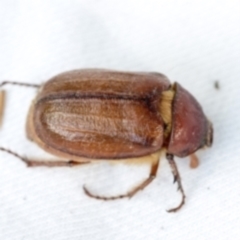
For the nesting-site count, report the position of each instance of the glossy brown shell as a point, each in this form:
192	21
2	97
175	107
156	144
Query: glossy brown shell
99	114
190	128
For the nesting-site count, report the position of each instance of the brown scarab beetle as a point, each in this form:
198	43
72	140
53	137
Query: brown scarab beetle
91	114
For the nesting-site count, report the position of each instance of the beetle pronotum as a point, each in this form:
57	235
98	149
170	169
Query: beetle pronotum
91	114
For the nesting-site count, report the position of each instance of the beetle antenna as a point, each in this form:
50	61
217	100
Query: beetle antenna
19	84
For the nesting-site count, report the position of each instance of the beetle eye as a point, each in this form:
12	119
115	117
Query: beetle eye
209	138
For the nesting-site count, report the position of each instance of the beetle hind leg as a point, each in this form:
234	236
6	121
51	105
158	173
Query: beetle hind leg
45	163
176	178
131	193
19	84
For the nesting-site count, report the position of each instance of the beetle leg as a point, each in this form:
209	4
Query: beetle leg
194	162
53	163
141	186
177	178
34	163
20	84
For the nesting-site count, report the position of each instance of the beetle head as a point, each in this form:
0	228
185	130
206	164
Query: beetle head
190	128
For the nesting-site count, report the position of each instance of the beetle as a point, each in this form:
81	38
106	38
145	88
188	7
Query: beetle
94	114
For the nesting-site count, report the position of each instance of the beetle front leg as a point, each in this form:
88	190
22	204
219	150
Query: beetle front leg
35	163
194	162
141	186
176	178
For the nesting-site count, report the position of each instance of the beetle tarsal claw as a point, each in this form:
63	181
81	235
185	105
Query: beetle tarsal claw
179	206
89	194
174	179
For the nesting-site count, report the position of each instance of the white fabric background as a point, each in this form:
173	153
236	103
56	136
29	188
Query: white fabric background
192	42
